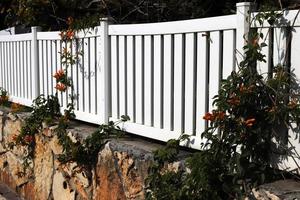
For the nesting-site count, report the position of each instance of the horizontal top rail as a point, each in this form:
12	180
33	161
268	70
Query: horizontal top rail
289	18
56	34
48	35
185	26
16	38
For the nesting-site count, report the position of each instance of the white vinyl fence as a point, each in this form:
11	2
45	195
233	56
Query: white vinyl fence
162	75
8	31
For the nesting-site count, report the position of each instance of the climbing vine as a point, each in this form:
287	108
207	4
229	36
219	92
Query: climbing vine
46	110
249	123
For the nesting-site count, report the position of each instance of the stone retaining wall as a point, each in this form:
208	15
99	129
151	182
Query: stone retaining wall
120	172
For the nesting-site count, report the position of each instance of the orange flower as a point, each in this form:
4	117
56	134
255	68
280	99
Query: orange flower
59	74
70	34
209	117
250	122
61	87
216	115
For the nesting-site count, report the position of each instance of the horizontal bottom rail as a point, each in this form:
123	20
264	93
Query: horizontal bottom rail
160	134
20	100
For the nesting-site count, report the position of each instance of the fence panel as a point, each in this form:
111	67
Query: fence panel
16	67
173	70
84	72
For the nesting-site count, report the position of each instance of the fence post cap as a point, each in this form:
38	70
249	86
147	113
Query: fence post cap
36	28
241	4
106	19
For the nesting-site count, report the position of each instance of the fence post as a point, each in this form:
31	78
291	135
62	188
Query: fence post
104	93
35	62
243	14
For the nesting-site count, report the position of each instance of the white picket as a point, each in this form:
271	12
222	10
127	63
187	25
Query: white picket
22	68
130	78
190	53
228	53
139	79
158	86
263	67
45	68
114	78
53	65
167	83
279	46
148	106
202	81
92	78
14	61
122	75
18	69
295	50
214	66
86	74
29	71
178	82
100	90
25	70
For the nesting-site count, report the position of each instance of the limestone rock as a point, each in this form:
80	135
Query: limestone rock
175	166
43	169
49	131
133	183
72	136
19	151
61	189
1	127
79	178
2	149
108	185
82	177
279	190
10	129
14	165
55	146
69	168
12	117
